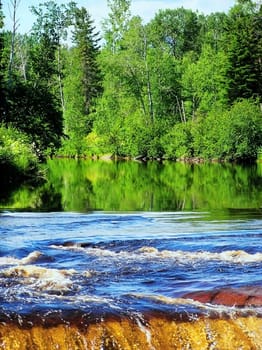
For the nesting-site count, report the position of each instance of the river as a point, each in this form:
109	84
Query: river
105	239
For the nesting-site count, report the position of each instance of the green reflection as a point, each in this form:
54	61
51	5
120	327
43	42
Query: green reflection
129	186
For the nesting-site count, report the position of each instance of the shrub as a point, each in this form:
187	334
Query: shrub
243	132
178	142
16	153
235	134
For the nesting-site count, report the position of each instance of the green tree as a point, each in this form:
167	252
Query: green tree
140	88
242	136
242	43
177	33
114	105
126	111
35	111
50	29
234	134
33	99
1	61
204	83
82	83
116	24
212	30
86	41
31	106
14	5
177	30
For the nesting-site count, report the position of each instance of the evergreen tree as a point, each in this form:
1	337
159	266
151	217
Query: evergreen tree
82	83
243	46
86	41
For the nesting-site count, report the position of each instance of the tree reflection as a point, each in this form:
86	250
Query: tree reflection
86	185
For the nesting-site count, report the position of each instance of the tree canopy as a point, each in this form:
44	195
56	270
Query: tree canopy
182	85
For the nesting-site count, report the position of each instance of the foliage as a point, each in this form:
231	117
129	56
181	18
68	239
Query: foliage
204	82
243	39
183	85
82	83
17	156
1	61
177	143
116	24
34	111
176	30
234	134
243	130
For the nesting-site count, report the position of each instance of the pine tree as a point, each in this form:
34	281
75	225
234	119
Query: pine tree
243	46
82	82
86	42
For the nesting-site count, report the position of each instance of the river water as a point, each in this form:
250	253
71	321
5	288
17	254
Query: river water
129	261
123	261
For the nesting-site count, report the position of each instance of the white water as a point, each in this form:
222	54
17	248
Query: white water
124	261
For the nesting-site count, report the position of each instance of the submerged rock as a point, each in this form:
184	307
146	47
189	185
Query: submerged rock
245	296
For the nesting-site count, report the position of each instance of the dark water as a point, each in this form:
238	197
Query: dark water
129	237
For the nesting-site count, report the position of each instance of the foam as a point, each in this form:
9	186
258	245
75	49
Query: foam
233	256
147	252
30	258
42	278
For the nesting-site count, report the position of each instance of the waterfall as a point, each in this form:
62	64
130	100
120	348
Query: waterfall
154	332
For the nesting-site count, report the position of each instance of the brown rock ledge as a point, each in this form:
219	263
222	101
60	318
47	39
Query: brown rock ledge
153	332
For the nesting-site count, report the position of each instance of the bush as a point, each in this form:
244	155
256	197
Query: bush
178	142
243	132
235	134
207	136
16	153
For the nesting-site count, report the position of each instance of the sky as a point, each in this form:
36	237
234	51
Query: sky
98	10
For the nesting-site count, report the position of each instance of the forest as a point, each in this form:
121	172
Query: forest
183	86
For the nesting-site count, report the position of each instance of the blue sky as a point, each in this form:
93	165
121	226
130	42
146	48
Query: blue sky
98	9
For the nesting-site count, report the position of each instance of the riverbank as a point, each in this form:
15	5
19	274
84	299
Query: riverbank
142	158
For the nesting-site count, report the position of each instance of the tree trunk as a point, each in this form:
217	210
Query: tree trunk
14	4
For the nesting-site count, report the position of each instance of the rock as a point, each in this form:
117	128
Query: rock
244	296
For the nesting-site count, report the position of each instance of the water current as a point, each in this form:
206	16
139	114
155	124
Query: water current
131	256
125	262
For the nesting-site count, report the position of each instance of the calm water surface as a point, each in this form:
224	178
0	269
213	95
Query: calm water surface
127	237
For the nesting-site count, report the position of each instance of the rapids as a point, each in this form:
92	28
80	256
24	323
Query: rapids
115	280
